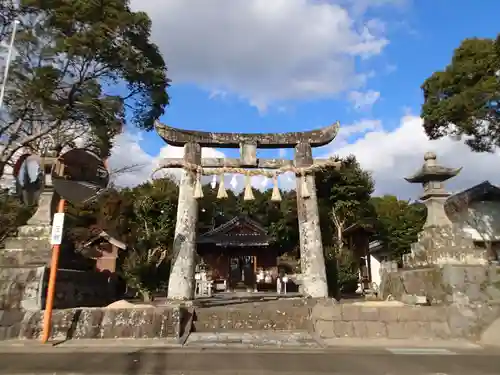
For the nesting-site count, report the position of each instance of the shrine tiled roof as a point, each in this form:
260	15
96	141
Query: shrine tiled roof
239	231
485	191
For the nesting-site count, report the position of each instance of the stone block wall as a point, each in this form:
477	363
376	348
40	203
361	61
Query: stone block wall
96	323
280	315
81	289
25	288
401	322
446	284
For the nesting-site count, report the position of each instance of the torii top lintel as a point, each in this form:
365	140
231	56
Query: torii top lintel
179	137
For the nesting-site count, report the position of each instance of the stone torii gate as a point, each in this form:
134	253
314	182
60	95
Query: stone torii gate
181	283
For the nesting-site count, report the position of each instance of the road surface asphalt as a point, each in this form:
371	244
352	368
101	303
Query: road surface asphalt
383	361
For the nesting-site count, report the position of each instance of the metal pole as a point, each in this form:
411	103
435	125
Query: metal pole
7	62
47	316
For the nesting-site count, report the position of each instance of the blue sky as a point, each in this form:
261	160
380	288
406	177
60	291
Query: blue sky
408	41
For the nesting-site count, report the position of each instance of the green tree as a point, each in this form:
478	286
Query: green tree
146	265
83	70
397	223
144	218
343	195
12	214
464	98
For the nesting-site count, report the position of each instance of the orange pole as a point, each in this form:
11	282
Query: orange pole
47	317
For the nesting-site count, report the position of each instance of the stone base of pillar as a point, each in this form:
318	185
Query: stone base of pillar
440	245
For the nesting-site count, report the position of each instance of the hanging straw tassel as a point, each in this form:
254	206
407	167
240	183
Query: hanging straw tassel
304	191
276	196
221	193
198	191
248	196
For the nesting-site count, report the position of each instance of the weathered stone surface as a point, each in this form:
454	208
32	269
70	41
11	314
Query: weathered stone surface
181	137
402	322
271	315
97	323
26	287
343	328
370	329
359	313
326	310
263	163
312	261
20	288
181	282
441	245
432	176
444	284
325	329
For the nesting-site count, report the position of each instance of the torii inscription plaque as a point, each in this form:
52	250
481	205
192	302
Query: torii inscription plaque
181	283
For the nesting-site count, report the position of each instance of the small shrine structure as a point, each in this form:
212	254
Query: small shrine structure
240	255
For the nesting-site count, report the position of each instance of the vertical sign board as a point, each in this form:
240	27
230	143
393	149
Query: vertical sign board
57	229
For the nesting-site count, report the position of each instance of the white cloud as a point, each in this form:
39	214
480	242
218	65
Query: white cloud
127	152
363	100
393	155
264	51
390	155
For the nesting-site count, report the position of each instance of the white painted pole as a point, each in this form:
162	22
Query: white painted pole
7	62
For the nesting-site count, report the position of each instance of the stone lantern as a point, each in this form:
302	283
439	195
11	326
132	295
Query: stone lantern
440	241
432	176
444	266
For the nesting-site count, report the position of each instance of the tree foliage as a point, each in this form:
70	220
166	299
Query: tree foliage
144	218
464	98
82	70
12	214
278	218
397	223
343	195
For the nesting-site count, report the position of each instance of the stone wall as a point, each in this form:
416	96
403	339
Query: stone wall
291	315
96	323
401	322
82	289
25	288
20	288
444	284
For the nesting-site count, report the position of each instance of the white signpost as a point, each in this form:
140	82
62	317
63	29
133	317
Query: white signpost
57	229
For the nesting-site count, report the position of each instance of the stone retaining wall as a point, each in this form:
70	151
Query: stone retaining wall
401	322
444	284
25	288
96	323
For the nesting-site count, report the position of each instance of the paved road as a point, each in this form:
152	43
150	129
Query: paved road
254	362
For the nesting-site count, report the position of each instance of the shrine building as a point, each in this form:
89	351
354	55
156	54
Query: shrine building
240	255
